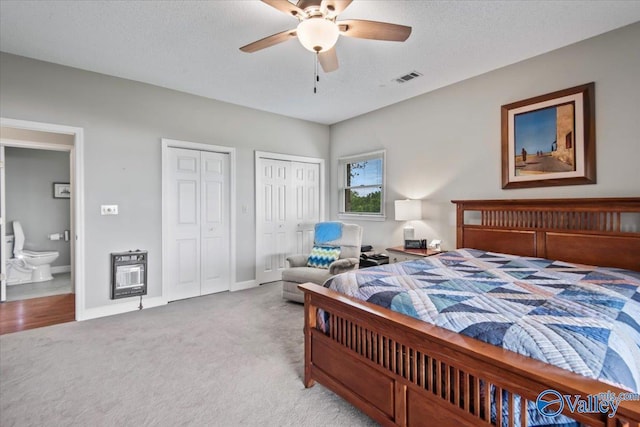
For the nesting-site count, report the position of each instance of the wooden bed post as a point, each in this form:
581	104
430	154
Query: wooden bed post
309	324
400	396
459	225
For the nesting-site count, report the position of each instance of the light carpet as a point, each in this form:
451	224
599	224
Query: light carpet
220	360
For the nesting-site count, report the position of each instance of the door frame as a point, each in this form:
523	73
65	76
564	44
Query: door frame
231	151
291	158
76	166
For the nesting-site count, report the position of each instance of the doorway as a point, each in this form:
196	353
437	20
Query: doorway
198	219
37	219
289	202
21	134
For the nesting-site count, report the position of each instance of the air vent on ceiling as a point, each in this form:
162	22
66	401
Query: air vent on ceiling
412	75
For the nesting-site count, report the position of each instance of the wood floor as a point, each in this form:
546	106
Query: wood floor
36	312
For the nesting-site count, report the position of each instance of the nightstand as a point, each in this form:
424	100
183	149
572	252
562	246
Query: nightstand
399	253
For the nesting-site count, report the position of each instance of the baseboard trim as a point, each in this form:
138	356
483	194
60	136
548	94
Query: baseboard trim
122	307
133	303
239	286
61	269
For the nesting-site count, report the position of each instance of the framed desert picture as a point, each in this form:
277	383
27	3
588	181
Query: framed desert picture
550	139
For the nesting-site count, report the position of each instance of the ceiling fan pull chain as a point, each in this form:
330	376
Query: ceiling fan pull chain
316	77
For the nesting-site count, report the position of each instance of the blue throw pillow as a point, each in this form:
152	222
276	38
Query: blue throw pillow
323	256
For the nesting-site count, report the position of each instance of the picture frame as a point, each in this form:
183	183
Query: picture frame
549	140
61	190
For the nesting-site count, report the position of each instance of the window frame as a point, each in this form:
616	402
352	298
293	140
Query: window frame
342	188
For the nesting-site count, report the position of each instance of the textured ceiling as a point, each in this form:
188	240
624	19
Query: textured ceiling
193	46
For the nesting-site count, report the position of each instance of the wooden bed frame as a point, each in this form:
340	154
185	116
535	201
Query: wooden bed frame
401	371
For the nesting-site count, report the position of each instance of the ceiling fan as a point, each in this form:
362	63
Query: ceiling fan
318	30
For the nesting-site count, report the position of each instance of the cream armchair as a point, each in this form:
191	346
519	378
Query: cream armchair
349	243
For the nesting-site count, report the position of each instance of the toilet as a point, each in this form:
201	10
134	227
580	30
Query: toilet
26	266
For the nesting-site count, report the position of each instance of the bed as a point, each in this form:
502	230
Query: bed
402	371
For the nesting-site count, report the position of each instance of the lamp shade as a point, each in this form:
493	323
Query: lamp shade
407	210
317	34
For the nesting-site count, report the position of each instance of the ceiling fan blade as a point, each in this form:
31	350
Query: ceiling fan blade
269	41
304	4
335	7
328	60
374	30
286	7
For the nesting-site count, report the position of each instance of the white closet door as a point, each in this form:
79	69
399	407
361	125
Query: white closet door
306	198
184	218
272	207
287	208
199	236
215	222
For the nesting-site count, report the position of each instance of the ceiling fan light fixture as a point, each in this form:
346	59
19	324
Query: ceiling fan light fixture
317	34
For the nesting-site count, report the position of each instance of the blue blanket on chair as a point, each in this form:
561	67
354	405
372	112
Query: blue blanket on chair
327	232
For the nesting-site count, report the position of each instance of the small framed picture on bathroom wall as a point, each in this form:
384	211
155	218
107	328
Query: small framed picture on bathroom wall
61	190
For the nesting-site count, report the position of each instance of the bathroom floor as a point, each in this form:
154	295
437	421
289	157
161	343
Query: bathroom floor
61	284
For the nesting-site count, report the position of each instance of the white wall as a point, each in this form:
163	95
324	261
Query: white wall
123	124
445	145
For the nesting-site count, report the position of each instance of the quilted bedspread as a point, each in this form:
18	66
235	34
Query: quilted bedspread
581	318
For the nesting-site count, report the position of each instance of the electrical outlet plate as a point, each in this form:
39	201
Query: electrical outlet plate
109	209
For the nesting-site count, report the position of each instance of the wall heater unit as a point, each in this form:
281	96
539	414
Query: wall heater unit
128	274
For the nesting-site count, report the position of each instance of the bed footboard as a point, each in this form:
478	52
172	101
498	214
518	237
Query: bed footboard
404	372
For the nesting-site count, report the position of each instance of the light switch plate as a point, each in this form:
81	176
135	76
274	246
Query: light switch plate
109	209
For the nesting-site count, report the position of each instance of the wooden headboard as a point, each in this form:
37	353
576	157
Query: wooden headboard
603	231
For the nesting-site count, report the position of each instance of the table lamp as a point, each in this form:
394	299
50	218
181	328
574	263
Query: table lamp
408	210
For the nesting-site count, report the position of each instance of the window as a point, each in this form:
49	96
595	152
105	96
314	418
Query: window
362	185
